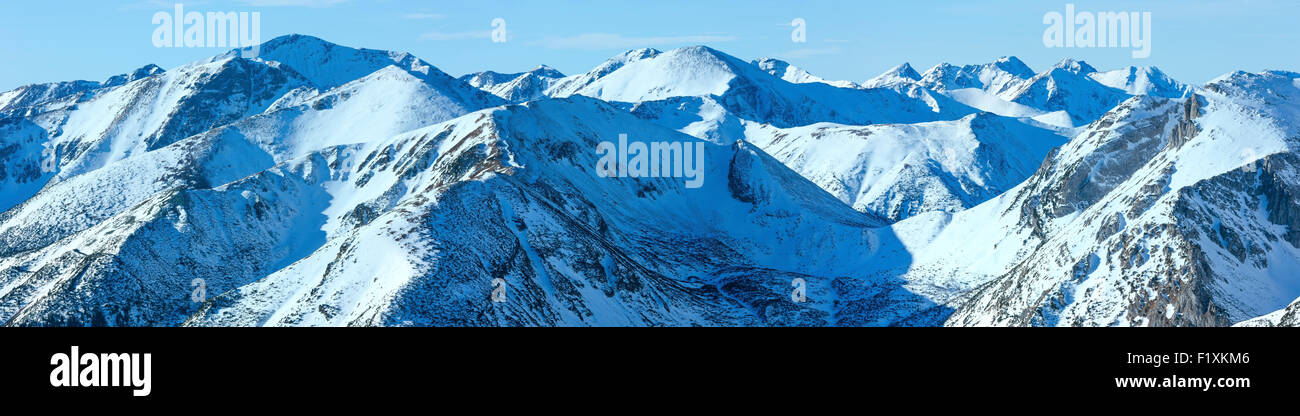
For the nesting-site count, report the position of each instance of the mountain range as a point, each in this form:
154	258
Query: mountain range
319	184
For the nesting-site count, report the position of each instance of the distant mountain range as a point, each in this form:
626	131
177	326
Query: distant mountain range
319	184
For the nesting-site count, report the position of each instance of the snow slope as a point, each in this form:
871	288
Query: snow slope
1149	217
899	170
511	193
930	153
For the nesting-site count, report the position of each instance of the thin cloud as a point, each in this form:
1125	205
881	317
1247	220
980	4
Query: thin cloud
807	52
473	34
292	3
424	16
159	4
170	4
603	41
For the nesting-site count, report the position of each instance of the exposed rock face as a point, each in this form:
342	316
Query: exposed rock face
1165	253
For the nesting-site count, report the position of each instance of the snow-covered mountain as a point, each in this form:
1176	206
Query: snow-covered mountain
275	112
900	75
1163	212
934	154
510	193
750	92
997	78
899	170
246	199
1069	94
34	99
18	101
318	184
384	234
782	69
571	84
66	136
1142	81
515	88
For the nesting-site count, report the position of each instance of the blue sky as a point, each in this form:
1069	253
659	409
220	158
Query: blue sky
1194	41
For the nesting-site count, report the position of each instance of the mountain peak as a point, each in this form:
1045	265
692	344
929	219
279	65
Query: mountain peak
699	49
141	72
490	80
617	61
782	69
1073	66
699	54
1014	66
546	71
147	70
294	39
941	68
571	85
1258	84
327	64
905	71
769	62
901	74
641	53
1135	80
647	74
772	66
